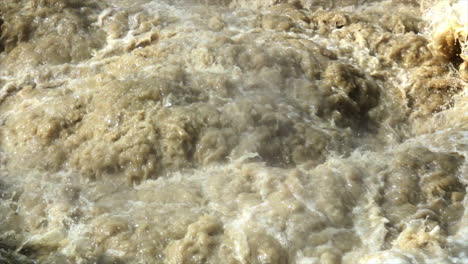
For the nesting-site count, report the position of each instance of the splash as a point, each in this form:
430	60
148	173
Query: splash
449	32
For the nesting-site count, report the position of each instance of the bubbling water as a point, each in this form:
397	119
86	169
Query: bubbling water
233	131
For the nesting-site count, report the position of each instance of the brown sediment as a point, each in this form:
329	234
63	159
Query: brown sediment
231	132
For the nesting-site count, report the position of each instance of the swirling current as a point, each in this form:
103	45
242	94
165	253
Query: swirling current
233	131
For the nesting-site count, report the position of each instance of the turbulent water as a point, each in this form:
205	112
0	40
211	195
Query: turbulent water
233	131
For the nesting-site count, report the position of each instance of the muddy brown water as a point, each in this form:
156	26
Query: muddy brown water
233	131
